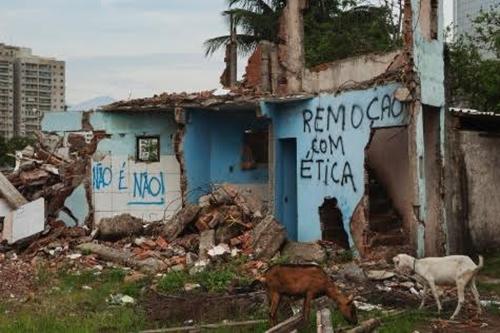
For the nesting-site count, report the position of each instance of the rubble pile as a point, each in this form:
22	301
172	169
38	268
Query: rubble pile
224	223
52	169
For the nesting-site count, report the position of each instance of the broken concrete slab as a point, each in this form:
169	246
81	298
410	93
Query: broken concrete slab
125	258
379	275
298	252
352	272
180	221
120	226
25	221
267	238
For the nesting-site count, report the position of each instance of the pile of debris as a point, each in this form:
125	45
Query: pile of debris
224	223
52	169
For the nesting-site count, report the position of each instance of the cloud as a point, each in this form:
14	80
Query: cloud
111	46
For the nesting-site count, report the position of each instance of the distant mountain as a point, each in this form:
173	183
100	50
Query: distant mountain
92	103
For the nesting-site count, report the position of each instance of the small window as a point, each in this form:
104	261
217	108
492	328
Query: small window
148	148
255	149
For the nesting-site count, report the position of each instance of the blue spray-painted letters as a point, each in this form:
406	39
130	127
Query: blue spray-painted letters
101	176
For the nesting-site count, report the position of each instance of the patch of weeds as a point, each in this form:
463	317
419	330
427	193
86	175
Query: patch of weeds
134	289
174	281
113	275
280	260
214	279
71	280
489	287
113	320
403	323
43	275
84	310
86	252
493	309
491	265
345	256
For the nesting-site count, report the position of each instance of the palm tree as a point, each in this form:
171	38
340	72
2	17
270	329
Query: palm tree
257	19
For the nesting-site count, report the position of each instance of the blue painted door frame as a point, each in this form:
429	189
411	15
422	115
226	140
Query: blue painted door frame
287	186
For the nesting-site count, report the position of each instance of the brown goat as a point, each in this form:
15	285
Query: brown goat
308	281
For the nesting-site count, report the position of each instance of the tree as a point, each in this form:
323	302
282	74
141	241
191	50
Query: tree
343	31
474	77
334	29
257	19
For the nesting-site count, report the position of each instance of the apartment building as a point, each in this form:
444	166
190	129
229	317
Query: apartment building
30	85
6	97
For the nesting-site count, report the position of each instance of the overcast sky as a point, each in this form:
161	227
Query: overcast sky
121	47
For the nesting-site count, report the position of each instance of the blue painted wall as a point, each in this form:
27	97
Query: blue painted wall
213	145
428	56
124	127
62	121
332	133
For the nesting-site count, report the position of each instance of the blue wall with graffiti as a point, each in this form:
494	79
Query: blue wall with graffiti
331	134
120	182
213	145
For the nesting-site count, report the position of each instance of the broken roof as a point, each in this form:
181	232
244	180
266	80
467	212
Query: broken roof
239	99
211	99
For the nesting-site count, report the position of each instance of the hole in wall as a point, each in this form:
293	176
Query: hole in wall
332	226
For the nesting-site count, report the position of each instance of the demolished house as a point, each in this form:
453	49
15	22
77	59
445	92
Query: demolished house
351	152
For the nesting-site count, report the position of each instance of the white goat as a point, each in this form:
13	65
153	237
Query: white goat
459	270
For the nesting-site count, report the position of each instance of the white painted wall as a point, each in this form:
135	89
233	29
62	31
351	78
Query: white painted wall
150	191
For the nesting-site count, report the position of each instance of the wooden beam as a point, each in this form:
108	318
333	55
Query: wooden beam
10	193
197	328
288	325
324	321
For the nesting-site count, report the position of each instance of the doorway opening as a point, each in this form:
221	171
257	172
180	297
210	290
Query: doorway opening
287	186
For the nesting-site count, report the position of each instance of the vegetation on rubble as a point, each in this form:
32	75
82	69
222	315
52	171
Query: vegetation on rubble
334	29
214	279
474	79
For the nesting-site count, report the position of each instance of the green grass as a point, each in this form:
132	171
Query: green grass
70	308
403	323
214	279
174	281
491	265
491	269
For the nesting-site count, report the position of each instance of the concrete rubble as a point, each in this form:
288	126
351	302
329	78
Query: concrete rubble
227	222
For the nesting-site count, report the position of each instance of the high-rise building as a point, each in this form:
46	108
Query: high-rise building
29	86
465	11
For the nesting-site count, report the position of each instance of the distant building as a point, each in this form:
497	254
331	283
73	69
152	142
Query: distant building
466	10
30	85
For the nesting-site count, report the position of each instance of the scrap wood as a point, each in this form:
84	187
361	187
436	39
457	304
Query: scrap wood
324	321
122	257
198	327
288	325
366	326
10	193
